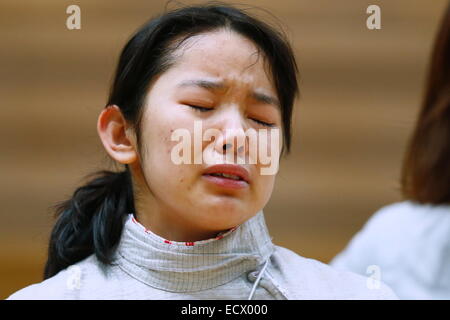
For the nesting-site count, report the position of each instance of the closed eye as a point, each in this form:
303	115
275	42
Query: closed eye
198	108
206	109
266	124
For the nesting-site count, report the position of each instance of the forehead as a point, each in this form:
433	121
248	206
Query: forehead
226	56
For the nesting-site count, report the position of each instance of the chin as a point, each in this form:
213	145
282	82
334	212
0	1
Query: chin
225	215
225	204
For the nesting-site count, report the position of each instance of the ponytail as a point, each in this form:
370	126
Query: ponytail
91	221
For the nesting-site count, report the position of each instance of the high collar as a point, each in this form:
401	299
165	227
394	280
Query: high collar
187	266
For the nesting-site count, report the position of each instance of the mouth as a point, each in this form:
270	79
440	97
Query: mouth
227	176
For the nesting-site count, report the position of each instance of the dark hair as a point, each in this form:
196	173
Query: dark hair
91	221
426	166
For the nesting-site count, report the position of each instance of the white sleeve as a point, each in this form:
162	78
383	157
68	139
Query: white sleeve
362	253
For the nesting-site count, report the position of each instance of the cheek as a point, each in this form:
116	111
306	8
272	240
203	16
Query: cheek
263	191
164	178
274	141
267	182
159	125
157	161
159	151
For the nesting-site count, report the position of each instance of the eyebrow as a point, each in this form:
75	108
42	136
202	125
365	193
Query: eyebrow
215	85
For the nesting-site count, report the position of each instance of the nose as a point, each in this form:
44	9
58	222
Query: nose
233	140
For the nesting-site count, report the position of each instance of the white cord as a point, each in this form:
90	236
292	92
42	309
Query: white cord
258	279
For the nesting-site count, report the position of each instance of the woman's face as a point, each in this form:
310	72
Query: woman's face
218	81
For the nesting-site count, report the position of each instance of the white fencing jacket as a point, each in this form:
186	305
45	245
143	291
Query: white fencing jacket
242	263
407	244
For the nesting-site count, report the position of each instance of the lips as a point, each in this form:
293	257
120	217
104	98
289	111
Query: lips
227	176
228	171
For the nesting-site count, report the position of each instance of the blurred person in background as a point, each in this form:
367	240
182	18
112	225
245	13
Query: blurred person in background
407	244
158	230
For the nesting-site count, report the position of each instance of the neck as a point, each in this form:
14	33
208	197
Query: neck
172	227
184	267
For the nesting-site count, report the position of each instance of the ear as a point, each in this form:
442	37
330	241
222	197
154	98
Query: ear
112	129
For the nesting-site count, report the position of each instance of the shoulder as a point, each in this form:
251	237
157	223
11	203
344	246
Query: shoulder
53	288
393	223
403	222
381	238
312	279
64	285
391	215
406	213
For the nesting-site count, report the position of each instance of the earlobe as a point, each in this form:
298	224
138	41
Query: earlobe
112	130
